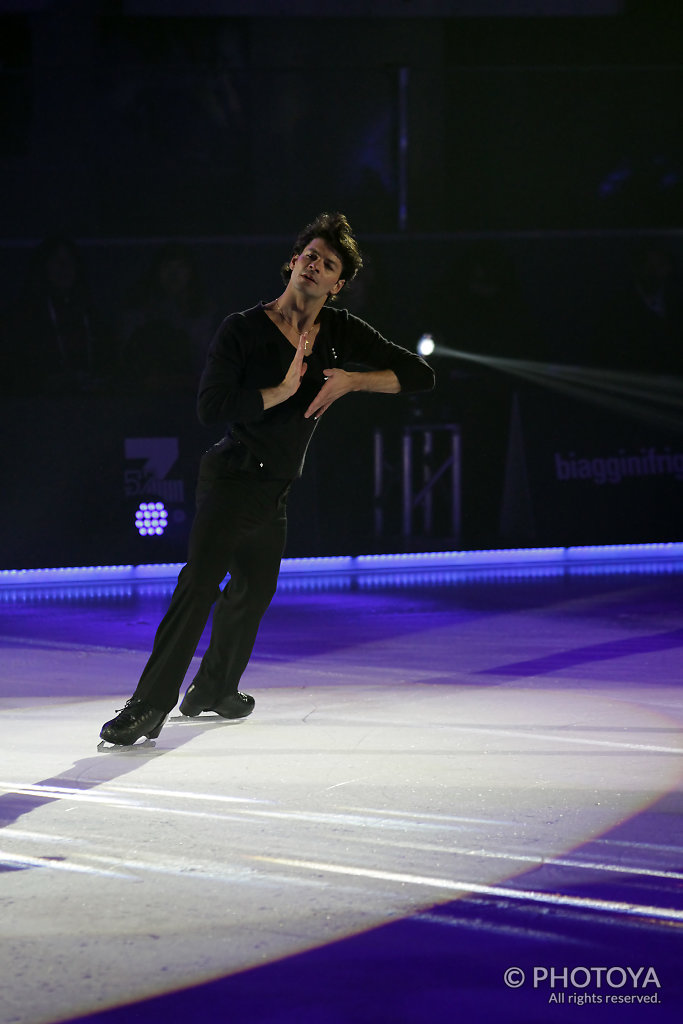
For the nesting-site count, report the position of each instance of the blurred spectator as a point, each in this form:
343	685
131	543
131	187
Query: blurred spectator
55	342
641	326
168	324
489	315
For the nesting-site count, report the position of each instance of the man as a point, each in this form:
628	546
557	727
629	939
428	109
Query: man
271	372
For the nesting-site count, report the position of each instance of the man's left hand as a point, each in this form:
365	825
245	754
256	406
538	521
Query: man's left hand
337	383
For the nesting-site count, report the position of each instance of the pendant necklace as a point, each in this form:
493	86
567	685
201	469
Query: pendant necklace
302	334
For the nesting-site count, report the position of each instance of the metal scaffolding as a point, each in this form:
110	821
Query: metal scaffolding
429	470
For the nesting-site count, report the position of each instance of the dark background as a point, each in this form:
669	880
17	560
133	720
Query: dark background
505	174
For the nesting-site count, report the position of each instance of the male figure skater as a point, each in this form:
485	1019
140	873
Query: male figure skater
271	372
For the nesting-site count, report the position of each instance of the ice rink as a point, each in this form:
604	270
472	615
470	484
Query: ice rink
458	799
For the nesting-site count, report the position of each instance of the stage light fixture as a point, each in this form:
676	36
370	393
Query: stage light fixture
151	518
425	345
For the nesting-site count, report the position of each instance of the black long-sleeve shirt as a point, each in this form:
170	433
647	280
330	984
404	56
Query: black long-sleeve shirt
249	352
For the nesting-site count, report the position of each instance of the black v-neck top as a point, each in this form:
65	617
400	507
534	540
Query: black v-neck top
249	352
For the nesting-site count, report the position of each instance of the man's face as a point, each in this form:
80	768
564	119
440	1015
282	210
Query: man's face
316	272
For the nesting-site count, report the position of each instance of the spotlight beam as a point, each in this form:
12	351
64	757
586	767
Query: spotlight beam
644	396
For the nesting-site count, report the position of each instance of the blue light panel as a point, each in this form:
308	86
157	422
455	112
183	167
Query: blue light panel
610	557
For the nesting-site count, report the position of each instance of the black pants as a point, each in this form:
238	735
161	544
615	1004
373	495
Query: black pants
240	528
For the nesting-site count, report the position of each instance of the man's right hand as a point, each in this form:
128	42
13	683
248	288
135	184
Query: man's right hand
290	385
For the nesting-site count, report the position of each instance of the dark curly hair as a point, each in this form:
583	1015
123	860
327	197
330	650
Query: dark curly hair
334	229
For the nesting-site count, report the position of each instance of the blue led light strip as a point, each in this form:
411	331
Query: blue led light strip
616	554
